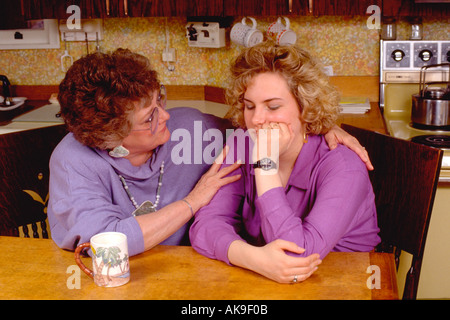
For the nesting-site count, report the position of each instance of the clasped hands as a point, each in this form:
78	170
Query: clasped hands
271	140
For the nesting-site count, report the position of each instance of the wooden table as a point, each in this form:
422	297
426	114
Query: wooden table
38	269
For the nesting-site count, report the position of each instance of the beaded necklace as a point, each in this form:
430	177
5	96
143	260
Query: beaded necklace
146	206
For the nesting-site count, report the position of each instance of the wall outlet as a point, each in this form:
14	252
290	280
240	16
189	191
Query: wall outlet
168	55
328	70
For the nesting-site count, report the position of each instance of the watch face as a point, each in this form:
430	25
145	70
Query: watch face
267	164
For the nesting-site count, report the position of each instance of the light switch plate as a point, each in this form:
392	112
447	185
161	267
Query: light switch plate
168	55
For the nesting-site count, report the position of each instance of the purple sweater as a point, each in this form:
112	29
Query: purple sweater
327	205
87	196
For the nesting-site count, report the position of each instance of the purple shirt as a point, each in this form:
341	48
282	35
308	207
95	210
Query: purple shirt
327	205
87	196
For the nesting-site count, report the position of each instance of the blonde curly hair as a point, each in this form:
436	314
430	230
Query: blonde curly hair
317	99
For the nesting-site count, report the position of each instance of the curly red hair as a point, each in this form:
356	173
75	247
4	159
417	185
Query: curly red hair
99	93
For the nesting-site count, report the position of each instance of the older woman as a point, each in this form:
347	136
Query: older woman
294	205
115	166
118	168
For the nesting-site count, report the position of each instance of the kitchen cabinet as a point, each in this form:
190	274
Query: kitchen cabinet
11	16
153	8
56	9
47	9
396	8
333	8
408	8
158	8
205	7
342	8
265	7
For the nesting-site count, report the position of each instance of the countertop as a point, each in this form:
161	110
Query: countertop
206	99
37	114
29	105
372	120
9	124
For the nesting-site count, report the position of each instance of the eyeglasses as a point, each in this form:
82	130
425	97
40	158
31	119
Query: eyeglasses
152	121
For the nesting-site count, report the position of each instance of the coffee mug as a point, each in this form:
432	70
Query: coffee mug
110	261
282	34
245	35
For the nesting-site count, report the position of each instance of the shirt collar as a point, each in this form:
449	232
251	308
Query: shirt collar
124	167
303	166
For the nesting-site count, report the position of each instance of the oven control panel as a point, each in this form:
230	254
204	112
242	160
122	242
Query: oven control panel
413	55
445	52
425	54
398	55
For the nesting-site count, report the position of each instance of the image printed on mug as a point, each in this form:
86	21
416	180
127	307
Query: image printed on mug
110	262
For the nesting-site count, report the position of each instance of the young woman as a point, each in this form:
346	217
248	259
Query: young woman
290	208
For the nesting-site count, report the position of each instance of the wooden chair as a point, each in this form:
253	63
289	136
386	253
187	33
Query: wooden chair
404	182
24	176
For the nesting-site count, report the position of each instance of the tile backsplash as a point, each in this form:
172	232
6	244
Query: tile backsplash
344	43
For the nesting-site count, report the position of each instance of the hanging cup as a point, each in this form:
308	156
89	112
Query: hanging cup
281	33
246	36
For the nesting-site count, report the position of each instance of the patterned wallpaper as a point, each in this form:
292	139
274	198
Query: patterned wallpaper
345	43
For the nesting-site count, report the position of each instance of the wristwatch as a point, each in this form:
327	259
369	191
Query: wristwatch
265	164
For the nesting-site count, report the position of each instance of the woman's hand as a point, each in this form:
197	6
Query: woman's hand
271	140
211	182
336	136
166	221
272	261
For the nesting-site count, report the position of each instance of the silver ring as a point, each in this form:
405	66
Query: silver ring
295	279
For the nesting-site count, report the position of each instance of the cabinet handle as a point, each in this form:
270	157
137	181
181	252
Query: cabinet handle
310	5
290	6
107	8
125	7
